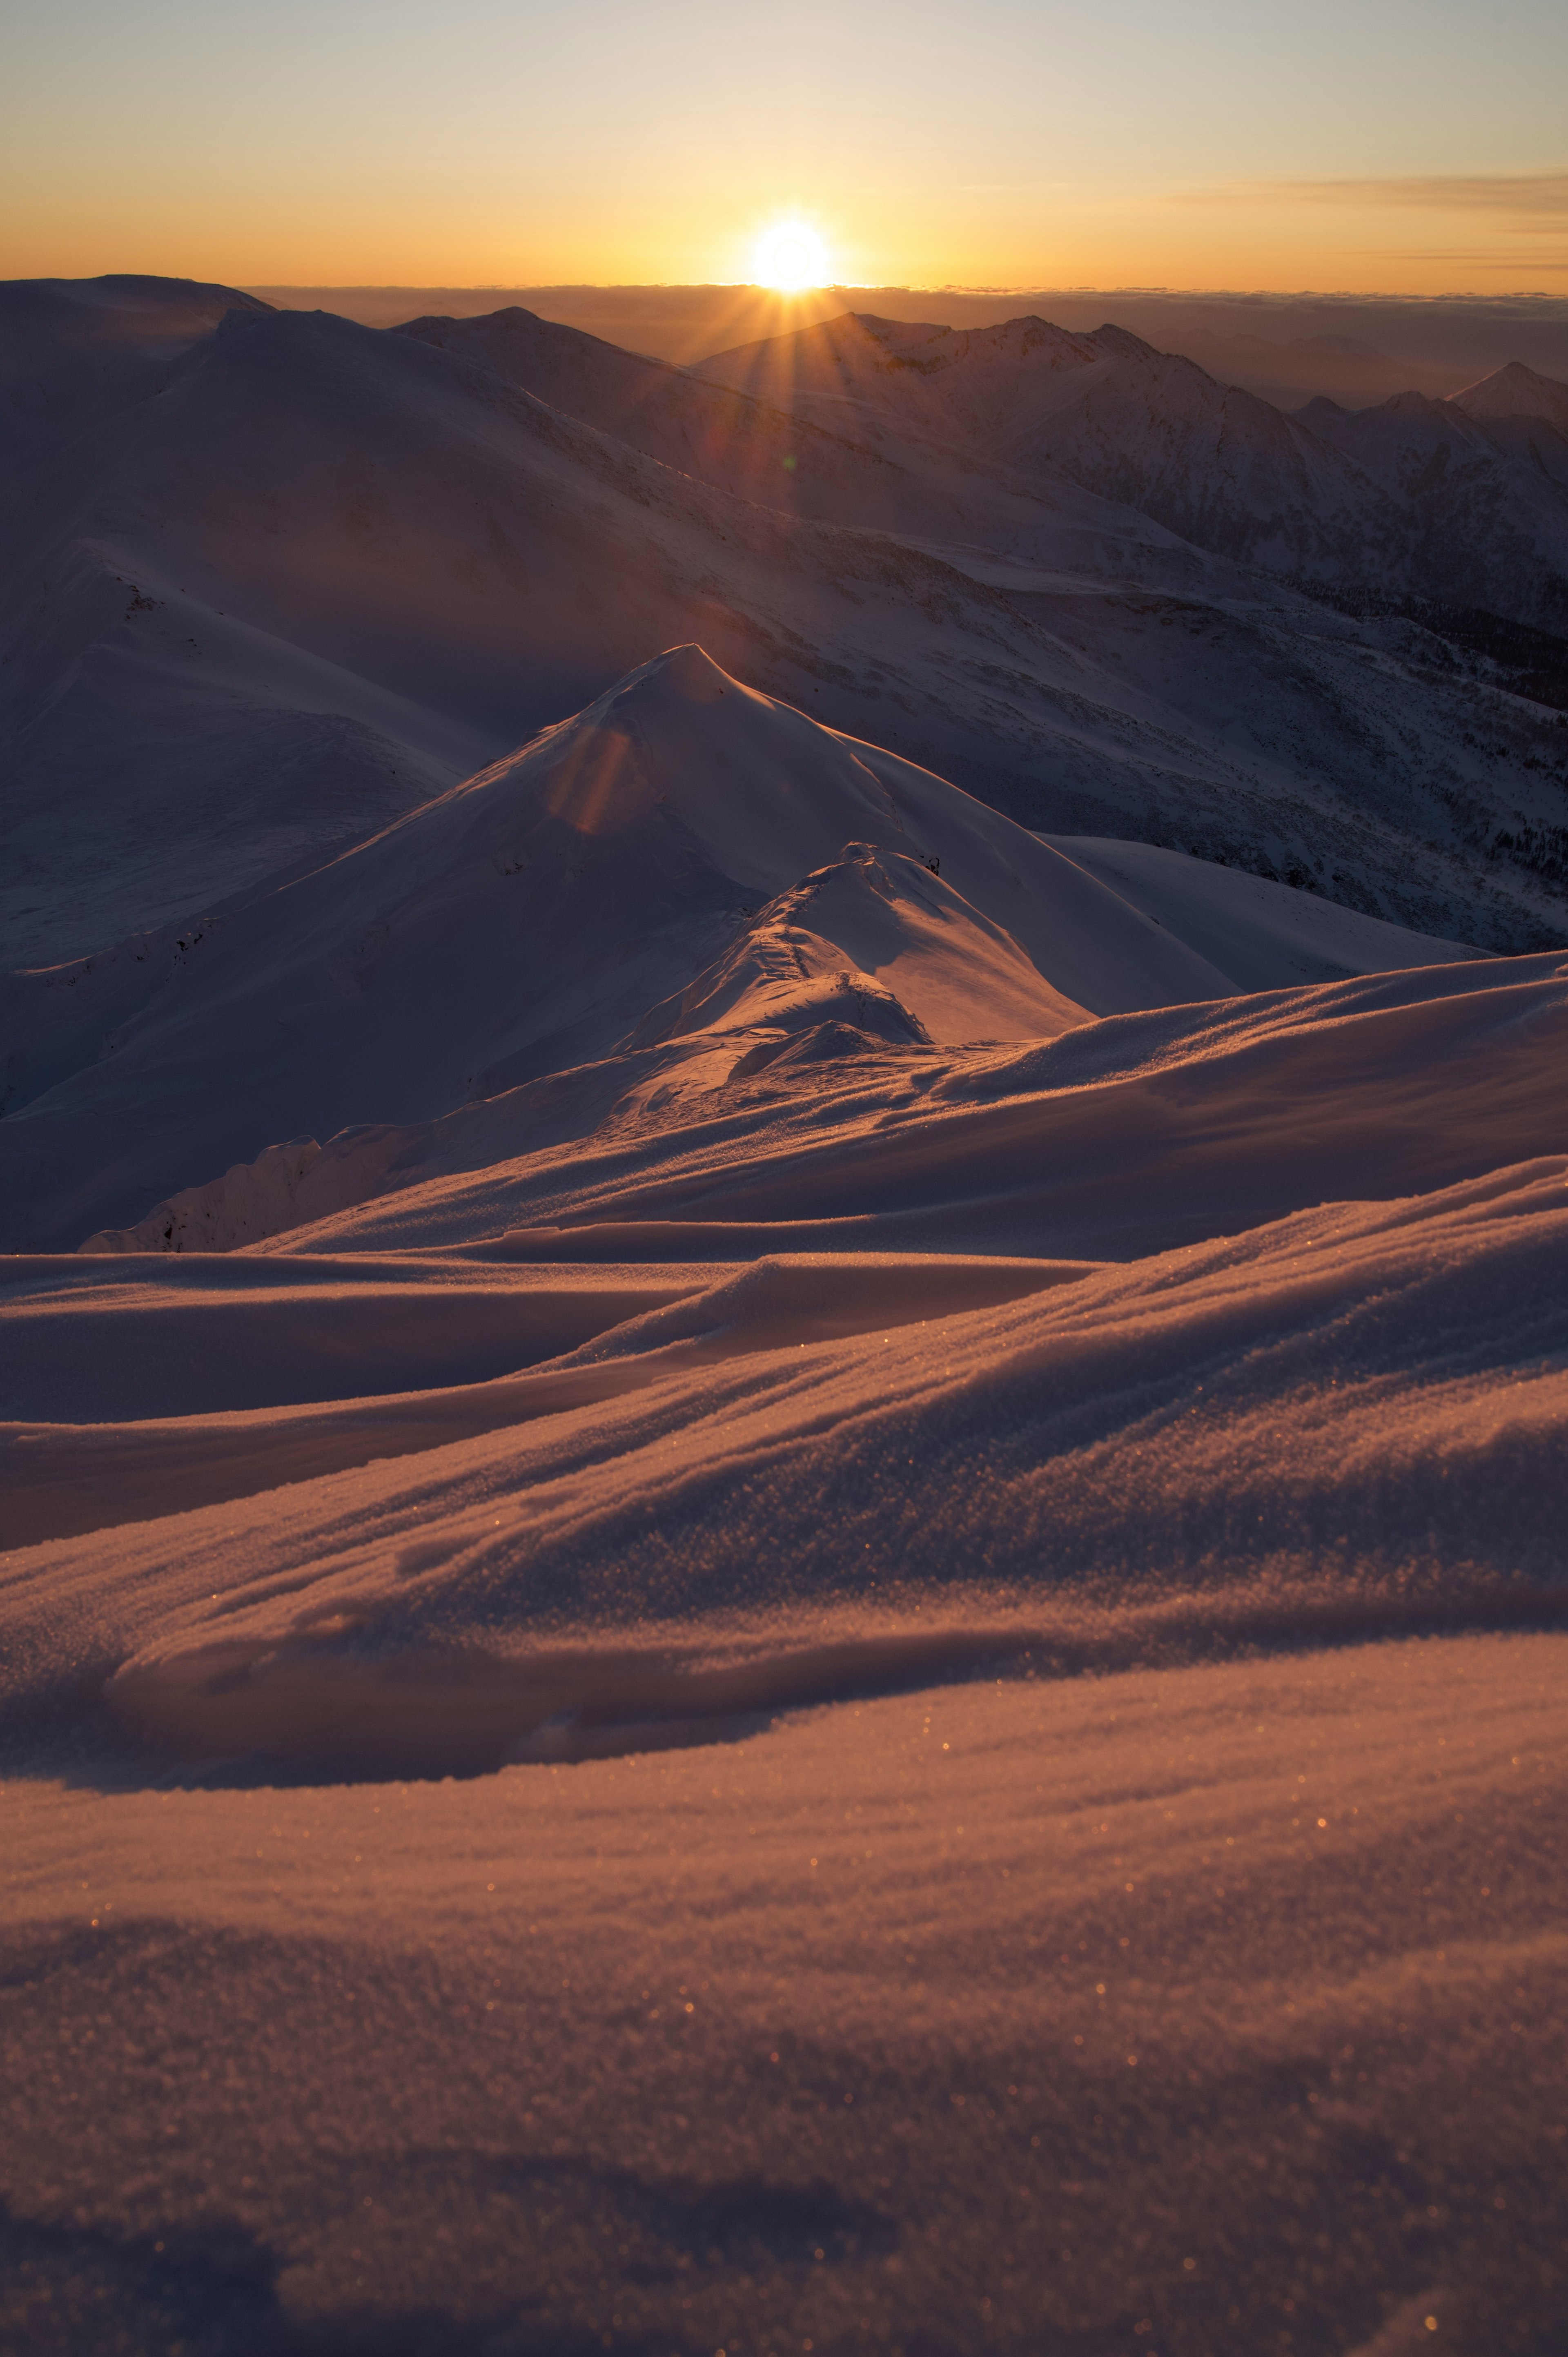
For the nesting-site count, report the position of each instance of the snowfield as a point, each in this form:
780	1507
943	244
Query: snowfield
783	1535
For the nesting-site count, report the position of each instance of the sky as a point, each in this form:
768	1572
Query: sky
1400	146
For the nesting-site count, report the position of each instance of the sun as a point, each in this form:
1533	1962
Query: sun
790	256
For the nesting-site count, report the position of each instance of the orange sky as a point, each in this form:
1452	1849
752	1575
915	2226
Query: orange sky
1398	145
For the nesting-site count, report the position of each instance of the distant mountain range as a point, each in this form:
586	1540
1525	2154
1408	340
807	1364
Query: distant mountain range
1467	499
1286	347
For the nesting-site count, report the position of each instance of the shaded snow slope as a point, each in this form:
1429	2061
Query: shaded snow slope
527	922
75	351
1261	933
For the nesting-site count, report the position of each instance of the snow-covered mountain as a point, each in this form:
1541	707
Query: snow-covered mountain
294	576
1516	391
686	886
75	351
719	437
910	481
530	921
1475	516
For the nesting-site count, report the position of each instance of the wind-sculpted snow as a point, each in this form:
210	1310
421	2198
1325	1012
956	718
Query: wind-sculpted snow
1359	1405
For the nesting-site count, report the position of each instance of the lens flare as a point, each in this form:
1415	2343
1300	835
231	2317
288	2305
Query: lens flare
790	256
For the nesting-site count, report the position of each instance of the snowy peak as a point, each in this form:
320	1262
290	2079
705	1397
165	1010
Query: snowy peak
939	376
120	309
709	431
962	975
761	790
1516	391
878	941
680	675
786	973
74	351
763	795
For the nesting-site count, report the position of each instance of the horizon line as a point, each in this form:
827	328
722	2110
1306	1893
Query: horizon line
882	286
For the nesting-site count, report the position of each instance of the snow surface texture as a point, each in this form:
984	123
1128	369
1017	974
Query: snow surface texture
709	1961
786	1574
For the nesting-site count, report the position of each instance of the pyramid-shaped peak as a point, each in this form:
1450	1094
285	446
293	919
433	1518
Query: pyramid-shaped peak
1516	391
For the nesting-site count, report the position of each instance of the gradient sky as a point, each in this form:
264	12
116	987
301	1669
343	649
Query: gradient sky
1415	146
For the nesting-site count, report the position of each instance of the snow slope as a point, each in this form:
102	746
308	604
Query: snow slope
1120	1708
1259	931
920	1906
75	351
1258	1423
1119	1138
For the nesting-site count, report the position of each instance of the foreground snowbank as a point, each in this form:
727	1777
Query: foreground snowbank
1360	1401
1174	2011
